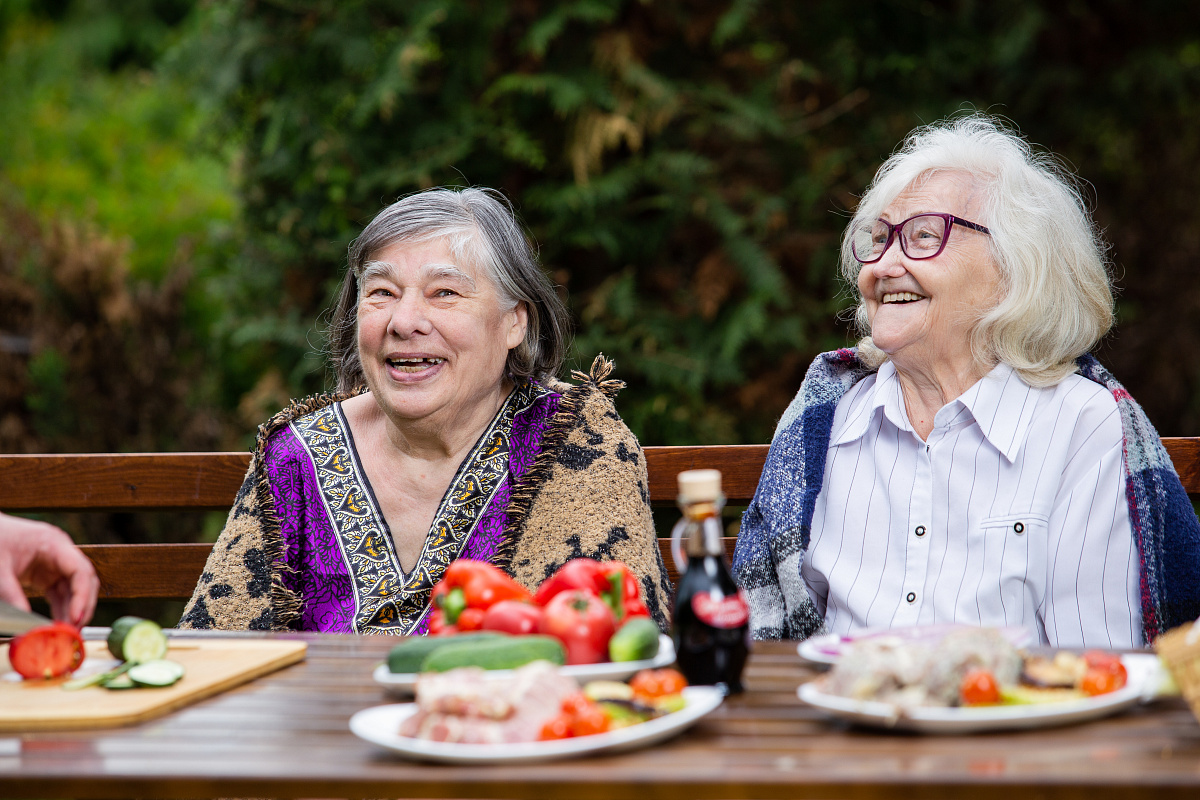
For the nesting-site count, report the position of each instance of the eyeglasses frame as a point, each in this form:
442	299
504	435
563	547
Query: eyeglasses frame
950	221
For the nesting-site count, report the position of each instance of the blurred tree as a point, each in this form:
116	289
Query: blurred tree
686	166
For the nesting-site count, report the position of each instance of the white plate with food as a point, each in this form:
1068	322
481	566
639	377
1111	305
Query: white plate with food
1143	676
403	682
827	649
381	725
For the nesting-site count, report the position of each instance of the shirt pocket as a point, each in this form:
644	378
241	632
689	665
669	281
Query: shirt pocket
1015	562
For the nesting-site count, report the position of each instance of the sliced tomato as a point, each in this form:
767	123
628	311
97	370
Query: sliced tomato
979	687
47	652
650	684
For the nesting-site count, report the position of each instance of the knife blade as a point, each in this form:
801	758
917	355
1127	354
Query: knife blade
14	621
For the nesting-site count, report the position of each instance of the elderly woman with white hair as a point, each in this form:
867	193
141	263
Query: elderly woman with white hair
969	461
449	437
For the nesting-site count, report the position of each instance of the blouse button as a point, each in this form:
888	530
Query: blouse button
920	531
912	597
1019	528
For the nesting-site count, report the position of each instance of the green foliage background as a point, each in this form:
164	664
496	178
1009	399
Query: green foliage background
179	181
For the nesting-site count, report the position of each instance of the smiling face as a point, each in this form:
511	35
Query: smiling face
922	311
433	336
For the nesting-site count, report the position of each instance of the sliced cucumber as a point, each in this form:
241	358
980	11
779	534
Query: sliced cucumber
159	672
122	681
99	679
137	640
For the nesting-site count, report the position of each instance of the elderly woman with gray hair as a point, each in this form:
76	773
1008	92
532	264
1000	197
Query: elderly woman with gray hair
969	461
449	437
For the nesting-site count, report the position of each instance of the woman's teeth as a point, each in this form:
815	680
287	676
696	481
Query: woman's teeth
902	297
413	364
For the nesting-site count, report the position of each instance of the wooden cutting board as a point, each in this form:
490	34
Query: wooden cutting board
212	666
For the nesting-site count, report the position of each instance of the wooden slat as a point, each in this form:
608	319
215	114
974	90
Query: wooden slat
209	481
121	482
1185	455
740	466
129	571
170	571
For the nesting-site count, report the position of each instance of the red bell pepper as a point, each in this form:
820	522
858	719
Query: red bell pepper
513	617
611	581
476	585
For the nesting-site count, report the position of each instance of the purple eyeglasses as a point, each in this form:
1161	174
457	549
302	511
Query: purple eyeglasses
923	236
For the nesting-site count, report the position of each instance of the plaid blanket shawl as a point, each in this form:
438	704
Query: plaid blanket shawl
776	526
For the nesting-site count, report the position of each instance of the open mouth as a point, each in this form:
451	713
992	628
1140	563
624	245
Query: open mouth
902	297
413	364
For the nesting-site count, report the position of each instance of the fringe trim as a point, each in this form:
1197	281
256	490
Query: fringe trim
574	399
286	605
601	368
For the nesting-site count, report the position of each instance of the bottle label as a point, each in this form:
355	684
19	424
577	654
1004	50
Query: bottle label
731	611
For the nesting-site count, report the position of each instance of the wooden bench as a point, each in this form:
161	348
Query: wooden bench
194	482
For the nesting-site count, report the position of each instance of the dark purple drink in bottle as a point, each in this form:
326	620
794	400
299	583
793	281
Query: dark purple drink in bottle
711	621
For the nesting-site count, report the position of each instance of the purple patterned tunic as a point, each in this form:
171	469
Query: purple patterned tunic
338	551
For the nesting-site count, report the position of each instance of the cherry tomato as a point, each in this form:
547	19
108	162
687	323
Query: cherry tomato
1103	681
470	619
979	687
513	617
47	652
653	683
582	622
589	720
557	728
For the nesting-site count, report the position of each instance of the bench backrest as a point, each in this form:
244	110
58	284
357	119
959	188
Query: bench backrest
209	481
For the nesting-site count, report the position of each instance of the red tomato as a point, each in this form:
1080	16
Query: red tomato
471	619
513	616
979	687
582	622
650	684
438	626
588	721
557	728
47	652
1103	681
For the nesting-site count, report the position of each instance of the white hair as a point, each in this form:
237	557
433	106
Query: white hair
1055	280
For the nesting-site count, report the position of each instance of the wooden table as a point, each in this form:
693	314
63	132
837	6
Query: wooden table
286	735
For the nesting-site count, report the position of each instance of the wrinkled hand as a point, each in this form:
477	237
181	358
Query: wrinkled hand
42	558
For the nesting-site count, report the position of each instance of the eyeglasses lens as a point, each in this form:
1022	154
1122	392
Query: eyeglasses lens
869	240
923	236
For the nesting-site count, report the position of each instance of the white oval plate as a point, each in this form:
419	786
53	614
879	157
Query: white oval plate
829	648
380	725
1143	672
402	683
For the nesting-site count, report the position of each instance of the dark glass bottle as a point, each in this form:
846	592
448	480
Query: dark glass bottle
711	620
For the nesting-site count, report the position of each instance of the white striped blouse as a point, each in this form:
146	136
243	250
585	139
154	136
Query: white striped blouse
1012	512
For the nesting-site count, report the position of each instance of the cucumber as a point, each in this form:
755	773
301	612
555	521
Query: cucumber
408	656
636	640
122	681
506	652
157	673
137	640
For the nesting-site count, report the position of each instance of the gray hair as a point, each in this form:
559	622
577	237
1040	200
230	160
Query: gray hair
480	229
1056	288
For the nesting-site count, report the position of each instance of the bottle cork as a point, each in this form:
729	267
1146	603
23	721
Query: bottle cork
699	486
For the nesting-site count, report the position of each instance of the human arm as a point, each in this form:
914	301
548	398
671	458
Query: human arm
1092	567
44	559
587	496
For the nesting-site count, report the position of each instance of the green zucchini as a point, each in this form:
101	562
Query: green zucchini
157	673
408	656
506	652
636	640
137	640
